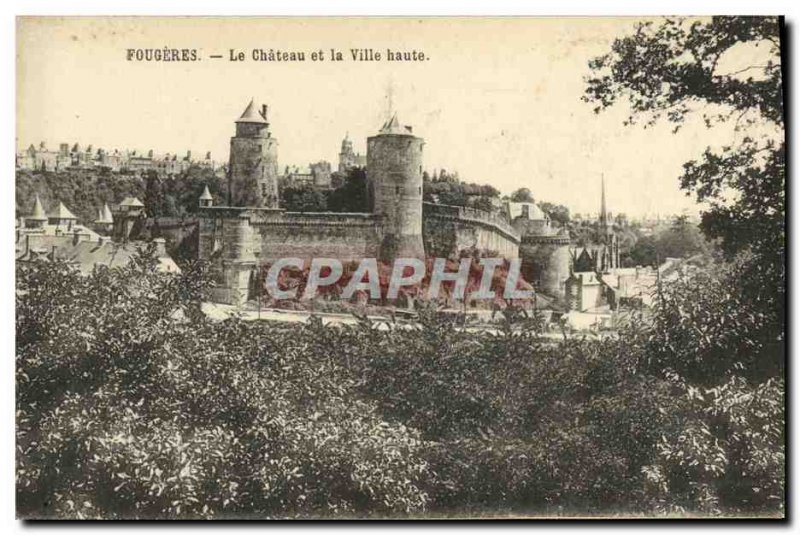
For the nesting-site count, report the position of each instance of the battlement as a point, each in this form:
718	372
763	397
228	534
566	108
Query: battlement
264	217
472	215
546	239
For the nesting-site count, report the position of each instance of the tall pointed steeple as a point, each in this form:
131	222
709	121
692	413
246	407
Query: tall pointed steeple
603	212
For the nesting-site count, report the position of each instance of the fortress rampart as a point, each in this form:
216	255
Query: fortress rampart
450	229
252	231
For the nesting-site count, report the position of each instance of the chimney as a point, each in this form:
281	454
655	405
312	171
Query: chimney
264	109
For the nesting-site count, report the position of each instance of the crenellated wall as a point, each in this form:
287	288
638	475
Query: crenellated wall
447	230
239	239
344	236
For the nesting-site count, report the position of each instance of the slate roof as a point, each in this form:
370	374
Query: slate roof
132	202
38	211
62	212
251	115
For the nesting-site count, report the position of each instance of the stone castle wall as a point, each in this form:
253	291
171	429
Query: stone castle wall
450	229
345	237
275	233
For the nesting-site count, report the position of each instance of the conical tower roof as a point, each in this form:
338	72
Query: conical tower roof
251	115
38	211
132	202
62	212
104	216
206	196
392	126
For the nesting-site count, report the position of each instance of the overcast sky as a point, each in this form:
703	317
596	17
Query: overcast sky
498	100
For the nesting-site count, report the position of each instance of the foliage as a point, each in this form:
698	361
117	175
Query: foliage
352	195
85	191
677	69
448	189
717	335
304	199
558	212
131	404
521	195
679	240
127	410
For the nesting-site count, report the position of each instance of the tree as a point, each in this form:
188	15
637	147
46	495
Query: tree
716	334
557	212
521	195
681	61
352	195
304	199
677	69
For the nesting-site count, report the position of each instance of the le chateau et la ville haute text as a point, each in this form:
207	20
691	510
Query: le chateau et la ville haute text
167	54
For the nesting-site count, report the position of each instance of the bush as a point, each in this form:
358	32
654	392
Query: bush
131	404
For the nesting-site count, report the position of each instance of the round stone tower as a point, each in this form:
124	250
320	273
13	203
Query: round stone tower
545	262
253	166
544	249
394	179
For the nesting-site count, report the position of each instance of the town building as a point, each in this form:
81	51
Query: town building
59	236
348	158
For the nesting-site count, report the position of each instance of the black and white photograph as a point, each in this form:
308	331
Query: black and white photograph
400	268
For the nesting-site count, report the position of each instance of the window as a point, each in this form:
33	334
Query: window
397	190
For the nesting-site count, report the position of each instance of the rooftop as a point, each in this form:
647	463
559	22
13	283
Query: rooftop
38	211
251	115
61	212
393	126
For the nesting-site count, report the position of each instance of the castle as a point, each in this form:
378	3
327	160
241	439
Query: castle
252	230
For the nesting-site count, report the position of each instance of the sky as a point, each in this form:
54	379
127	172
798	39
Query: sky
498	100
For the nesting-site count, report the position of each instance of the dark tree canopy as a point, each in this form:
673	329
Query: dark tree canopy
675	69
522	195
352	195
672	69
557	212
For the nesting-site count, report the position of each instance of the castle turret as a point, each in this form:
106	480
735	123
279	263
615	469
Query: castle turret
253	169
38	218
394	179
206	200
104	221
62	217
130	212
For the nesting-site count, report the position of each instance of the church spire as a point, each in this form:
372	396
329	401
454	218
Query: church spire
603	211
